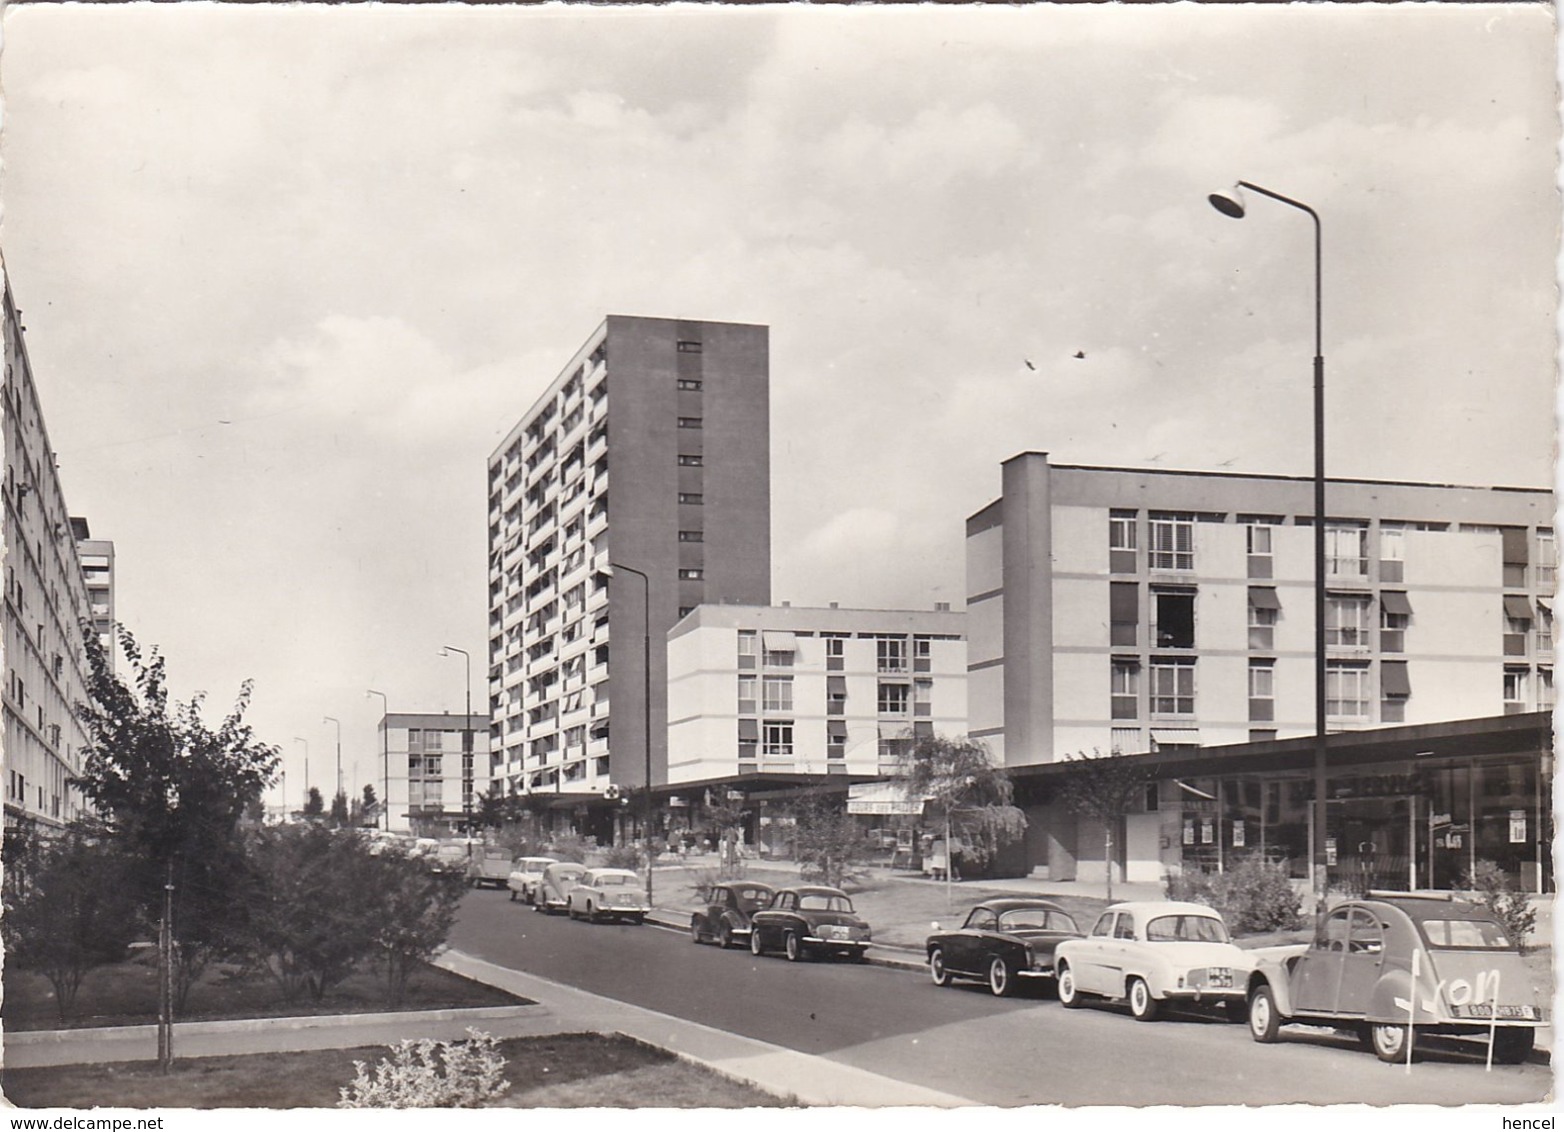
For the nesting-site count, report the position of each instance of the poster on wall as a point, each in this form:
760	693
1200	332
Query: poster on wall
1517	827
1238	833
1189	831
1207	830
1330	850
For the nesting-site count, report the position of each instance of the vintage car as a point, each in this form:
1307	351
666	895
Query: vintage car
552	892
1380	963
525	874
608	894
1152	952
809	920
449	858
488	866
724	918
1001	942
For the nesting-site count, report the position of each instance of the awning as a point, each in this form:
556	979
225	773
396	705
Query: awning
923	729
1263	597
1395	601
1517	607
836	687
1545	603
1188	789
1514	545
749	731
881	798
776	640
1175	736
1393	678
836	730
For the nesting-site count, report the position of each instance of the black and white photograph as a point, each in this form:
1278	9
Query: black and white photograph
758	562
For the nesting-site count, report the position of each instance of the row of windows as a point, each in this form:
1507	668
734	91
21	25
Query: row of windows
891	652
777	695
773	739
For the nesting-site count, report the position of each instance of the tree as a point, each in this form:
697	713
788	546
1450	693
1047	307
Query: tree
828	843
964	792
314	804
68	908
1104	788
339	809
416	911
369	806
171	791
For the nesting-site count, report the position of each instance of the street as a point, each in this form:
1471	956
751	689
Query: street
1003	1052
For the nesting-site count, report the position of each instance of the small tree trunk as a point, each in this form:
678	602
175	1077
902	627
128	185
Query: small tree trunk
1107	854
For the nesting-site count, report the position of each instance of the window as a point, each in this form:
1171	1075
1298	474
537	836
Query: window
432	766
834	650
1395	613
1394	688
688	461
1547	561
779	693
1517	624
689	383
1262	690
415	739
1172	542
1122	556
777	658
778	740
922	654
1123	613
1514	539
1544	689
1346	551
1346	621
689	422
1392	553
688	347
1175	627
1124	740
1125	689
923	697
692	498
892	699
1172	686
835	695
1515	690
891	654
1257	537
1544	625
691	574
691	536
1347	691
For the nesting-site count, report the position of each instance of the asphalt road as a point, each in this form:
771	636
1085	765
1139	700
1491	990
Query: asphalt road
1003	1052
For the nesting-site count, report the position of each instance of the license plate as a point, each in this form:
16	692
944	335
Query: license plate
1221	977
1485	1010
833	931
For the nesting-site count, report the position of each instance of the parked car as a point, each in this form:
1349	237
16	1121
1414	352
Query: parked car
724	919
489	866
1379	963
1152	952
609	894
525	875
553	889
1001	942
809	920
450	858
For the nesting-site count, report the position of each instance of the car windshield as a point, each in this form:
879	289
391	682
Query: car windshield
821	902
613	880
1466	934
531	866
1035	919
751	896
1186	929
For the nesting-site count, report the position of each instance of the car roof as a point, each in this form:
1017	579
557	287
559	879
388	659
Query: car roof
760	884
562	866
813	890
1426	907
536	861
1164	908
1009	903
610	871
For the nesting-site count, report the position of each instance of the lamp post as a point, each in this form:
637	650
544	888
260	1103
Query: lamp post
447	650
306	743
330	719
385	754
1233	205
646	668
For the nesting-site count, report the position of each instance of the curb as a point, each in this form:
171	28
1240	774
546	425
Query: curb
255	1025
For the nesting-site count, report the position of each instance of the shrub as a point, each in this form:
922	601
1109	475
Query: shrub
568	847
1492	888
706	878
430	1074
623	857
1253	894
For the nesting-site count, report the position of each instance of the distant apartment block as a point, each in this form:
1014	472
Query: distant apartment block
648	452
1117	609
97	564
785	690
422	778
46	603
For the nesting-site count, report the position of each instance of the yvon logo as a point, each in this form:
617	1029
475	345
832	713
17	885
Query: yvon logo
1459	992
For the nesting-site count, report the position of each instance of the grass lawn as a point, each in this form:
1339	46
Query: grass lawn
123	994
561	1071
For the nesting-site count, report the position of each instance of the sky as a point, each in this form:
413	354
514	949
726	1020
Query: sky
290	273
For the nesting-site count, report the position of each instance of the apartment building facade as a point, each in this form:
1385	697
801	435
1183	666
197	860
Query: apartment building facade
46	603
97	565
590	565
425	767
779	690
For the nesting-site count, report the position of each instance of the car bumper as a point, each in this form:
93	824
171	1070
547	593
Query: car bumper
1205	994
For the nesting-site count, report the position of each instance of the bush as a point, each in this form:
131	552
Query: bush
568	847
430	1074
1492	888
1254	895
623	857
706	878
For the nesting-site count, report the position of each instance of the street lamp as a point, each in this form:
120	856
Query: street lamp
385	753
646	667
306	743
1233	205
447	650
338	722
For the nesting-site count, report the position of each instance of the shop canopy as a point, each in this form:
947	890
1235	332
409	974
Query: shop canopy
881	798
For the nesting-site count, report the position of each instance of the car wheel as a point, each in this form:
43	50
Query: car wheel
1389	1041
937	970
793	947
1069	993
695	929
1001	979
570	909
1142	1005
755	947
1513	1044
725	937
591	913
1264	1022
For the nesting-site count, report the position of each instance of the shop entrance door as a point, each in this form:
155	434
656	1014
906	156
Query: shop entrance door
1375	842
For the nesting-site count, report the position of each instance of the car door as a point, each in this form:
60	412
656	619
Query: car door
1361	964
967	947
1317	977
1093	955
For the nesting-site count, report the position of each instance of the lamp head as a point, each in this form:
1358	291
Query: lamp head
1229	204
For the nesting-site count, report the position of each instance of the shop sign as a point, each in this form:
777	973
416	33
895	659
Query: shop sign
1238	833
1517	827
678	803
1377	786
1330	850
